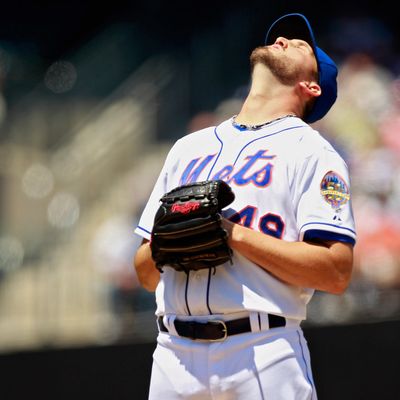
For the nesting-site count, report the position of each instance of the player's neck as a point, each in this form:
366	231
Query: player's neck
268	99
259	109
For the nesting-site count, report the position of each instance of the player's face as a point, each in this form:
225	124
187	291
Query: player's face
289	60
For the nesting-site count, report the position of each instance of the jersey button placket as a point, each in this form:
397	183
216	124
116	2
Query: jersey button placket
197	292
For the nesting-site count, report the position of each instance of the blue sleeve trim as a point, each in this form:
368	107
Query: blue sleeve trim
144	230
324	223
314	234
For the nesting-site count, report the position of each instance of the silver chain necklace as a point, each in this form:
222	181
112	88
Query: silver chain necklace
243	127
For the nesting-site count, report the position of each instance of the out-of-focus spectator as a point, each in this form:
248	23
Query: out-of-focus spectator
389	126
113	247
225	109
201	120
365	99
228	108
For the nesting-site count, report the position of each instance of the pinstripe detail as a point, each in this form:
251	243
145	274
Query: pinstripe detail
308	367
144	230
186	293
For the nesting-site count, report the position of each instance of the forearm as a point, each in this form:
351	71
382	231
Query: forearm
322	267
146	271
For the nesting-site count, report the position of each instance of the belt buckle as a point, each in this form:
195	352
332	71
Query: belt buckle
224	329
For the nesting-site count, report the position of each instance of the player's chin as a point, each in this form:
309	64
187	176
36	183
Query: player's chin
260	55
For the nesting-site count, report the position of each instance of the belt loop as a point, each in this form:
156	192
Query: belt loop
254	321
264	321
169	323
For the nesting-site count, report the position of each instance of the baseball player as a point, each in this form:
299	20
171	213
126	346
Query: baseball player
233	332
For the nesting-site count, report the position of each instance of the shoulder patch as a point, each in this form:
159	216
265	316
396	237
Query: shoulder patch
334	190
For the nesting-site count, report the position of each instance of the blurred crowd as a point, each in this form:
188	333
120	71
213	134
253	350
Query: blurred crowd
75	173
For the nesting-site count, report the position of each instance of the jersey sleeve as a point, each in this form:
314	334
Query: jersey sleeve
146	220
324	210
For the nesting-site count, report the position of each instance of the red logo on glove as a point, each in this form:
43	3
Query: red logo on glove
185	208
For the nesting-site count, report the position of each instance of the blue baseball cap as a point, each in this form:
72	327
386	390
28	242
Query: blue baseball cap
296	26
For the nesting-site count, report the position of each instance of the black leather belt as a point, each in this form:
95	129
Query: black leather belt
217	330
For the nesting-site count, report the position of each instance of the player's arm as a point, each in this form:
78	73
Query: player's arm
146	271
325	266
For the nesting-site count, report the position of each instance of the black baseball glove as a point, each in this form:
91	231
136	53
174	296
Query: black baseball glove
187	232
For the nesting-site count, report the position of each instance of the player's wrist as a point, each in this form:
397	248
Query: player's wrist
235	234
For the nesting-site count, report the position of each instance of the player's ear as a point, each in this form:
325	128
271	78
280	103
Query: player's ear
310	88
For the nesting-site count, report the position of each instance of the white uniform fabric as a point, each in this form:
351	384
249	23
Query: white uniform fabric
270	365
276	174
289	183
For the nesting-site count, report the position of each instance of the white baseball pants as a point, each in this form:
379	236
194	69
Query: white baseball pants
268	365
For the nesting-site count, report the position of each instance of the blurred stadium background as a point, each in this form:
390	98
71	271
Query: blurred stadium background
93	95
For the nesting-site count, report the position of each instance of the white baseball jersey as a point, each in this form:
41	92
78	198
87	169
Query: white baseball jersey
289	182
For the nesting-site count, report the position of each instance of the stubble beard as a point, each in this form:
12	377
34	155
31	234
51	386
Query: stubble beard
285	71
